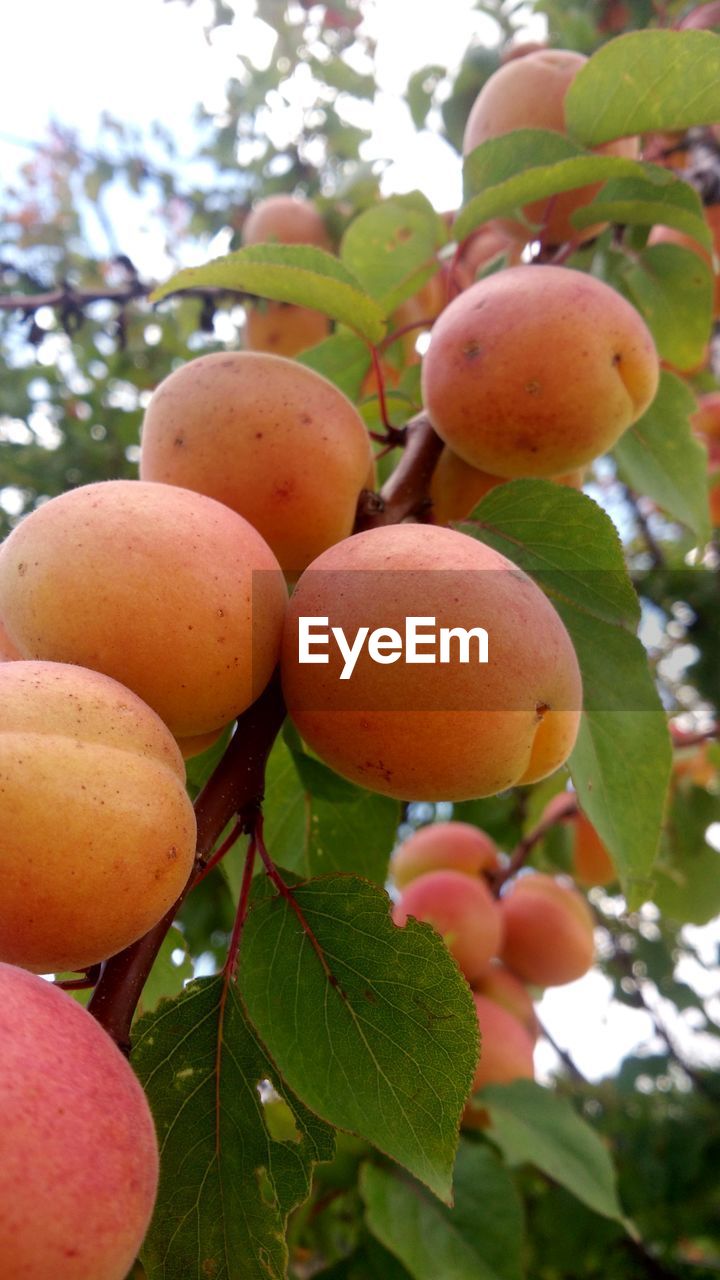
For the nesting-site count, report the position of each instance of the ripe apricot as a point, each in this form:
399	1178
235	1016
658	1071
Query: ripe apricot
456	487
168	591
529	93
506	1046
671	235
286	220
592	863
444	846
535	371
488	242
272	440
706	419
79	1167
98	831
282	329
501	986
463	910
548	931
452	731
8	651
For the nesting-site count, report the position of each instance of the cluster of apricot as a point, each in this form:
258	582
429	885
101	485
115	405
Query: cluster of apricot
538	934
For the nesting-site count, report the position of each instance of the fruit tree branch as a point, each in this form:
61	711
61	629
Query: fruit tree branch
236	787
407	491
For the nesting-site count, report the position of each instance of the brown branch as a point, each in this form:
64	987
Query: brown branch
524	848
67	297
571	1067
236	787
406	492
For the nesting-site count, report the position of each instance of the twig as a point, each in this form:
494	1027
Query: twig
236	787
573	1070
524	848
406	493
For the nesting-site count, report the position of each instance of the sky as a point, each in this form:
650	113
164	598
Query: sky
146	60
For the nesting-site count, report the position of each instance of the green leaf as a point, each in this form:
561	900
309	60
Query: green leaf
286	811
533	1125
673	288
502	175
343	358
171	970
688	873
648	201
341	76
660	457
644	82
621	761
226	1184
479	1239
373	1026
391	248
317	822
296	273
420	91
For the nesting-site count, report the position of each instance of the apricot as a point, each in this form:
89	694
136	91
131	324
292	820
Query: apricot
535	371
502	987
487	243
98	831
8	651
671	235
272	440
168	591
706	419
444	846
548	931
506	1046
456	488
592	864
282	329
456	729
286	220
462	910
190	747
529	93
79	1167
695	764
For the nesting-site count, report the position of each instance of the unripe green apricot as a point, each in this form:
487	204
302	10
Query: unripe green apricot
272	440
535	371
78	1152
167	591
98	833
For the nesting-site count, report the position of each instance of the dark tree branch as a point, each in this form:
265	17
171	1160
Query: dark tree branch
407	491
524	848
236	787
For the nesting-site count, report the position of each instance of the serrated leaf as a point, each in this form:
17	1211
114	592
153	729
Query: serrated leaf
226	1185
646	82
646	201
391	248
660	457
673	288
506	173
373	1026
343	358
535	1126
621	761
296	273
480	1238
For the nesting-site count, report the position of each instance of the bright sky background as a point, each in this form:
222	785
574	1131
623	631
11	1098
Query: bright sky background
145	60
